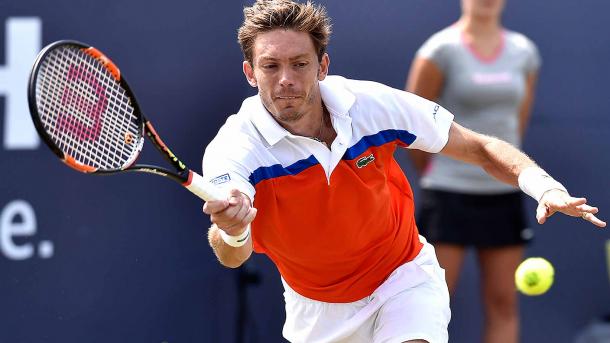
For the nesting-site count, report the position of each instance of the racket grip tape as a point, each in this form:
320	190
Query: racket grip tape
205	190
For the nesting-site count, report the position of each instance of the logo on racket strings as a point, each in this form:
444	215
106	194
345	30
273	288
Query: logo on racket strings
81	117
364	161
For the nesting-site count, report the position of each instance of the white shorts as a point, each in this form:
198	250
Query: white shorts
413	303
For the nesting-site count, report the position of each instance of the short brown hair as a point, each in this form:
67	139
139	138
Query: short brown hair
267	15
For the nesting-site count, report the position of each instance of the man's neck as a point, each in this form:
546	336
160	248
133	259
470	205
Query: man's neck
316	125
309	125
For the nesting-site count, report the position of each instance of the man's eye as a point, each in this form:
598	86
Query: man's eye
269	66
301	64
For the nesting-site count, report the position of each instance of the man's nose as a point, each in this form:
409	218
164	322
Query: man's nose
286	77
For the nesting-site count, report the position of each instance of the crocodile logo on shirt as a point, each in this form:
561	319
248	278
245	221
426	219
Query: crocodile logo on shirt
364	161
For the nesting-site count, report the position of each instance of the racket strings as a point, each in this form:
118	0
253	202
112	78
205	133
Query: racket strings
81	128
85	111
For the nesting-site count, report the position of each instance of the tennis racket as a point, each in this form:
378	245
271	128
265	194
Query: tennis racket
86	113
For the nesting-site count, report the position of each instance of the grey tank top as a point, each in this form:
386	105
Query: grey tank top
484	95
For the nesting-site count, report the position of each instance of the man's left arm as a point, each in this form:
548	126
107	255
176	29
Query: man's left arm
508	164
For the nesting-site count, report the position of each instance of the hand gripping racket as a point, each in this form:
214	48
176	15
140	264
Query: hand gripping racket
86	113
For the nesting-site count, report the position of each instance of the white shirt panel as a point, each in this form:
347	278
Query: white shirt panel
379	107
252	139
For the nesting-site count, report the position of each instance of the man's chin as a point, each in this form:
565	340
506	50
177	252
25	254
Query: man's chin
289	114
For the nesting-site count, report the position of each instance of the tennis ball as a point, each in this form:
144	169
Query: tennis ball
534	276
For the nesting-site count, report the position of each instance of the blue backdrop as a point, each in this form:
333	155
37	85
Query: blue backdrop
125	258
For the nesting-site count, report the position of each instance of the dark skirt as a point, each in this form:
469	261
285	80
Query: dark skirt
473	220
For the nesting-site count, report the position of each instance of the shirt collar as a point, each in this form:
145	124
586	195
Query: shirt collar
337	98
271	131
335	95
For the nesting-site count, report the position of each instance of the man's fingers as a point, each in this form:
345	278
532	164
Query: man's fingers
590	217
587	209
567	205
244	206
234	215
541	213
250	215
235	197
575	207
214	206
239	218
596	221
228	218
230	227
576	201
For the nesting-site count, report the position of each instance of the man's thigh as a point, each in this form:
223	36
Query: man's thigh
418	314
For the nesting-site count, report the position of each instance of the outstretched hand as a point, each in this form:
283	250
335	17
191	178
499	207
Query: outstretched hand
557	200
231	215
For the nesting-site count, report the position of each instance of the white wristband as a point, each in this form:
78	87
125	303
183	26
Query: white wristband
535	182
235	241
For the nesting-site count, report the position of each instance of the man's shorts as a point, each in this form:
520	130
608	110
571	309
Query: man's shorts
413	303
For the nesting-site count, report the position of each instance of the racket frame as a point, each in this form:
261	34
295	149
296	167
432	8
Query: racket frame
147	130
183	175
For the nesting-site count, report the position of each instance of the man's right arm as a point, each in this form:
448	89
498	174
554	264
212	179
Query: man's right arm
229	235
228	255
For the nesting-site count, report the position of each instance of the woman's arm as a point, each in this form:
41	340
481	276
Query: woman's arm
526	106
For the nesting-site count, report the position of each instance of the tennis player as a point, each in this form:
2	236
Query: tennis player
308	165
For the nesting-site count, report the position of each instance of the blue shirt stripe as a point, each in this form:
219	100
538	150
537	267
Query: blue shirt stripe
378	139
276	170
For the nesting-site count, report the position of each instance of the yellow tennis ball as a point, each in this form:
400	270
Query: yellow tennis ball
534	276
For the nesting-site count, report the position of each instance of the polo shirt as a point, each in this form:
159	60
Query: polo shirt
336	222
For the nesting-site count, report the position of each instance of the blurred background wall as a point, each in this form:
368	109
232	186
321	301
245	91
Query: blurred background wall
125	258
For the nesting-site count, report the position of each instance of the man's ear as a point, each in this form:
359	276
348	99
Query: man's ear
324	64
249	73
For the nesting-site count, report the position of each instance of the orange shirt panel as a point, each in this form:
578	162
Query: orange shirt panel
338	242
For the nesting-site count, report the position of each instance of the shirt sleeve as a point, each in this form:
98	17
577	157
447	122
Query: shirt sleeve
533	60
427	121
418	123
434	49
225	165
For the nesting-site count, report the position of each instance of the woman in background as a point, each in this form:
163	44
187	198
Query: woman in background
485	75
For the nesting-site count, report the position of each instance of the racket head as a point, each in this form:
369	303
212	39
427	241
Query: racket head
83	108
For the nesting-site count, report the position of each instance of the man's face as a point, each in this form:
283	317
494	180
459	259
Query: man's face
286	71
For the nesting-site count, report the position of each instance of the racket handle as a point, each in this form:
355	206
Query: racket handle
206	191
